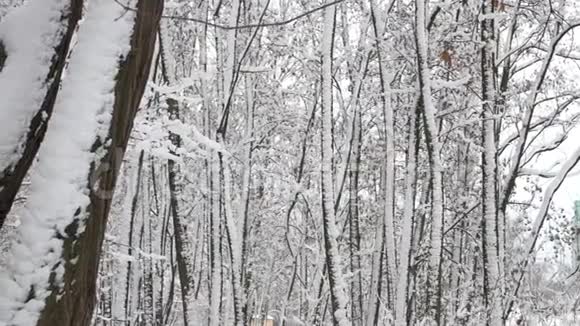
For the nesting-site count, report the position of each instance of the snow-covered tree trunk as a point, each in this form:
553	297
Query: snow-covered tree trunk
339	299
407	228
215	244
234	242
182	238
357	291
34	44
389	126
229	64
135	198
501	104
214	200
353	164
250	86
232	220
459	252
433	149
62	231
148	264
373	305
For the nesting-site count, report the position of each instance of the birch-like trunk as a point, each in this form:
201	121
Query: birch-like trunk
407	228
433	149
354	225
213	184
215	244
232	226
234	243
492	291
389	126
245	269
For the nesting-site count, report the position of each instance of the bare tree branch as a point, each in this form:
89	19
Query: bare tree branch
254	25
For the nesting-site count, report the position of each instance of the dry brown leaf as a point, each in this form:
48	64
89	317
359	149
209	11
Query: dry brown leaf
445	56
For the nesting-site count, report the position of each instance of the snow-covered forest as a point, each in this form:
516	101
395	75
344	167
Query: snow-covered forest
289	162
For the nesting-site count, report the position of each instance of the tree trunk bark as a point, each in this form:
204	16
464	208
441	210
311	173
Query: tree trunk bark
433	149
354	225
389	125
134	201
408	219
489	172
335	275
183	244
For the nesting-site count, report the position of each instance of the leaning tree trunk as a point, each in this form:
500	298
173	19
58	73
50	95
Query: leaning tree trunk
62	230
29	84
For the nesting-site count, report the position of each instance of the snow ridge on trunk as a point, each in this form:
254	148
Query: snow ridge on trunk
34	43
59	196
22	78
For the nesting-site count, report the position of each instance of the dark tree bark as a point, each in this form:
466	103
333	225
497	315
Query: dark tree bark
2	55
490	236
73	303
339	299
354	225
134	202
